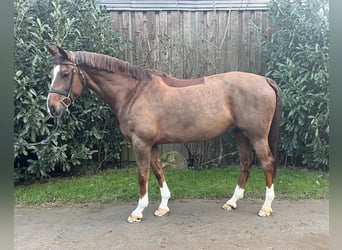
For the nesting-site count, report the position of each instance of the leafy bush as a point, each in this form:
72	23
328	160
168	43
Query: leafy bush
297	58
90	131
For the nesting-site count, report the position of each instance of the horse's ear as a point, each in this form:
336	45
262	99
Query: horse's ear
65	54
53	51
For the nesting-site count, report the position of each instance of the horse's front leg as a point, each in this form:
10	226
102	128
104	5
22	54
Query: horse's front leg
143	158
158	171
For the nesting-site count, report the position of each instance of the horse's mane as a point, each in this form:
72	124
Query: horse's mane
112	64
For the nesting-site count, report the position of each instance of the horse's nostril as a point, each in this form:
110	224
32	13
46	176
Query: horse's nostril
52	109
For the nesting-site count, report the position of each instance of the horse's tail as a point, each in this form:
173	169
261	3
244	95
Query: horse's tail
274	134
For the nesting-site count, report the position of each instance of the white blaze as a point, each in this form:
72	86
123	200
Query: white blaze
55	72
54	75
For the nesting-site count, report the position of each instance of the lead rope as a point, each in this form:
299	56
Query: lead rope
42	142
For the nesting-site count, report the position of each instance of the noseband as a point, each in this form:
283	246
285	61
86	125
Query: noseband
67	100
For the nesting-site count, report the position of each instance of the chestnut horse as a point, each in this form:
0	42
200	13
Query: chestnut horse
153	108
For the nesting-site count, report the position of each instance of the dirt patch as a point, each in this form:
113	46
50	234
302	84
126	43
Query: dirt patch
192	224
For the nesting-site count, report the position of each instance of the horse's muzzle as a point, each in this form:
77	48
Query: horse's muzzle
57	112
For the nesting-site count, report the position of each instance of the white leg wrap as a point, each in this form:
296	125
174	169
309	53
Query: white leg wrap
266	209
165	196
269	197
238	194
142	204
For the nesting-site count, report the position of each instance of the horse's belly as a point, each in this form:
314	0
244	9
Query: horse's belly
193	130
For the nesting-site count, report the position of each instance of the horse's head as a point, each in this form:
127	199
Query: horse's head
67	81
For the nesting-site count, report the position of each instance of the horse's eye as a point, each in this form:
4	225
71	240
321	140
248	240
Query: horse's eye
65	73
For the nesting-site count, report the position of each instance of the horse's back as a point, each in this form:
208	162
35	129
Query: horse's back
240	87
238	79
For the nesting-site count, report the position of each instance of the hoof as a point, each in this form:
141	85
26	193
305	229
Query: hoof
228	207
161	212
265	212
134	219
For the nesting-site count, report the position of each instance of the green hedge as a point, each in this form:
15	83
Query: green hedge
297	57
90	131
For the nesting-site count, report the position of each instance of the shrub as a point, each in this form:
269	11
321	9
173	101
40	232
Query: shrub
297	57
90	131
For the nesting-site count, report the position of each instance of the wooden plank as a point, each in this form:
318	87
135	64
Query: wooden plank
149	39
188	55
244	46
212	44
126	29
145	42
170	35
182	44
139	50
251	44
192	50
176	59
222	34
265	30
234	41
114	23
256	39
157	40
202	46
133	38
227	44
164	42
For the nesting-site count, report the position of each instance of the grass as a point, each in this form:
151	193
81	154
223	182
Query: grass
121	185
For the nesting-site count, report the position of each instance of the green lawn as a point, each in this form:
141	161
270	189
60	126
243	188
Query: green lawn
121	185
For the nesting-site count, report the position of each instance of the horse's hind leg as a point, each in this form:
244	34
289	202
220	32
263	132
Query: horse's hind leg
245	152
158	171
263	151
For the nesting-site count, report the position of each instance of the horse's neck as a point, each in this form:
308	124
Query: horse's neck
112	87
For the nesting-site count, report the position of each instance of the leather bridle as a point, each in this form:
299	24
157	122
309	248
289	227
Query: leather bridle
67	100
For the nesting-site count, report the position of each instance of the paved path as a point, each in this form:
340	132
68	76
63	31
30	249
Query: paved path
192	224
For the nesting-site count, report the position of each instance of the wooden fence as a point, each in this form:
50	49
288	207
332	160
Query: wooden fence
190	44
193	43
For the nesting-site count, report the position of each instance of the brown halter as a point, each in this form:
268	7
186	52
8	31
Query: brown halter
66	102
